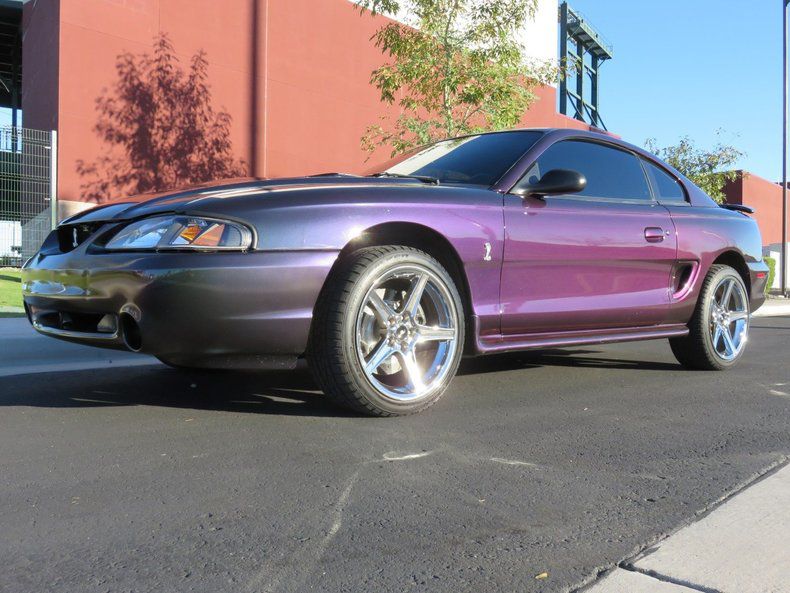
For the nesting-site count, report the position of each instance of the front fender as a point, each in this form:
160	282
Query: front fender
469	219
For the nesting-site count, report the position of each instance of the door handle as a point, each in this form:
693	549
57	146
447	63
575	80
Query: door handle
654	234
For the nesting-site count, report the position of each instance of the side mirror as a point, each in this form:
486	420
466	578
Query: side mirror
555	182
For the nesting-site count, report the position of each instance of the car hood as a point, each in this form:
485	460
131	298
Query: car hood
200	197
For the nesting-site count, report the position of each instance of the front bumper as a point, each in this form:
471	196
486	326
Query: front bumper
203	309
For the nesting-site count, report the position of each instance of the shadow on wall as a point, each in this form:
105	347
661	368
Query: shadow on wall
160	129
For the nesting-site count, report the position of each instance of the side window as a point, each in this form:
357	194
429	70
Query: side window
610	172
668	189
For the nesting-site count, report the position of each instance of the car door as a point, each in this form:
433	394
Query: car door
598	259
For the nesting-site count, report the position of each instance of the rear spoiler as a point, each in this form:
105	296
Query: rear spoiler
738	208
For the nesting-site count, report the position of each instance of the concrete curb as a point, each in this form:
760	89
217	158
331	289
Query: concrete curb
69	367
621	580
773	308
739	547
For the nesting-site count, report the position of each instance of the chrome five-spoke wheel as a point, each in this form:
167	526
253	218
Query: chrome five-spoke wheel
388	333
406	332
729	318
719	327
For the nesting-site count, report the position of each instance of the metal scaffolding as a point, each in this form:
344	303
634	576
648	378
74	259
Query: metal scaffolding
28	208
589	50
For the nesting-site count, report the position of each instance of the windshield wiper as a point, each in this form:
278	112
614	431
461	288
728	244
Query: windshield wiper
333	174
423	178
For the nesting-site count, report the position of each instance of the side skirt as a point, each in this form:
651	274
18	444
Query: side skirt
494	344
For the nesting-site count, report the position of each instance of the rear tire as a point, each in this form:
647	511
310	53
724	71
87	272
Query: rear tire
720	324
388	332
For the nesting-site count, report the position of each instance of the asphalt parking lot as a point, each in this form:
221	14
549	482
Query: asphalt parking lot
553	465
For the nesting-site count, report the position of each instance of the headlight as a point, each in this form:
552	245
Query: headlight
182	232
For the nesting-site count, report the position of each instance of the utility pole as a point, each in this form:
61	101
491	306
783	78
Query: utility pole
783	265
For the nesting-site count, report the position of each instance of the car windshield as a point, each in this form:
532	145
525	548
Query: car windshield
476	160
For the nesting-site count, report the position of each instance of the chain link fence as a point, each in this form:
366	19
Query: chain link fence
28	209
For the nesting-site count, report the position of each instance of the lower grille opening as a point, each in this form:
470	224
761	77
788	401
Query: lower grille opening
92	323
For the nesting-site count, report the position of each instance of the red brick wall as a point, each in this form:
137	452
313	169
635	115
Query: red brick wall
762	195
295	79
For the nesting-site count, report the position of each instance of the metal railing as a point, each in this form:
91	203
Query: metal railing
577	20
28	208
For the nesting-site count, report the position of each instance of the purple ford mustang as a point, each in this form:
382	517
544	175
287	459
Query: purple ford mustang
487	243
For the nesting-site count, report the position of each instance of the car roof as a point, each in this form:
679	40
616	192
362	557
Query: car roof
597	134
601	136
570	132
697	196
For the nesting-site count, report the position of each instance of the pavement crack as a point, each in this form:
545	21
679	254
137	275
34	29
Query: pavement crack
337	515
394	456
512	462
667	579
272	577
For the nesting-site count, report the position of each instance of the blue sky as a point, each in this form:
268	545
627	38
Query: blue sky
6	119
692	67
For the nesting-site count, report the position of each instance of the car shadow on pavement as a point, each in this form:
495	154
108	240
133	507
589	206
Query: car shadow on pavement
279	393
580	358
276	393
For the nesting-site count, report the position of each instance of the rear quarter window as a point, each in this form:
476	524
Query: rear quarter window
667	188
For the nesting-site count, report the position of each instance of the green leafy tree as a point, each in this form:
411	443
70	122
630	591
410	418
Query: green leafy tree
456	67
709	169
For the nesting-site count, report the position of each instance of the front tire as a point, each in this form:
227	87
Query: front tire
719	328
388	332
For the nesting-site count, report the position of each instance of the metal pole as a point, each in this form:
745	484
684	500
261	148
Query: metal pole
53	178
783	265
596	121
580	74
564	58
